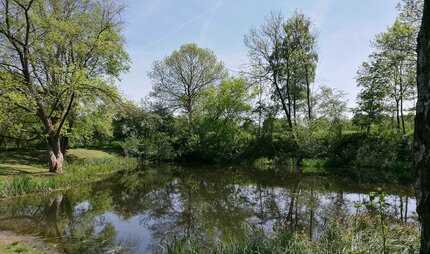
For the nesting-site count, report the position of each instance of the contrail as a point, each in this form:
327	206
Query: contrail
179	28
207	24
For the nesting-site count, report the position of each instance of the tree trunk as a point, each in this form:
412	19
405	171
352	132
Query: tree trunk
281	97
398	115
422	130
294	110
55	156
308	93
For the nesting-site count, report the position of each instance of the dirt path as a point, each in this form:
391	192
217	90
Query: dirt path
13	243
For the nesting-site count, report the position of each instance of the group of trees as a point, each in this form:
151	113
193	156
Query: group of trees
59	61
284	54
215	116
388	79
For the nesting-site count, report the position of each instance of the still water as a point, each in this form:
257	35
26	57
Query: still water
139	212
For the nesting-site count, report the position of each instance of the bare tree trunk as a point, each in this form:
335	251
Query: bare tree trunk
401	102
398	115
422	130
55	156
308	93
294	110
281	97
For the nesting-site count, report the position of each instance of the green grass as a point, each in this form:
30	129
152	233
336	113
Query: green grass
84	154
17	247
315	163
24	172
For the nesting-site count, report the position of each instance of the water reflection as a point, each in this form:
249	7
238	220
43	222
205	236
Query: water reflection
139	211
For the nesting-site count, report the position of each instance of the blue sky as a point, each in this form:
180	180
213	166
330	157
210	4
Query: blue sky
154	28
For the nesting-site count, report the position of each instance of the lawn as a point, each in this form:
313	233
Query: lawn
24	172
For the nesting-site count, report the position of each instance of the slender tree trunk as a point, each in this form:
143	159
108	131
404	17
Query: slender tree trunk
288	91
401	208
422	130
308	93
294	110
406	209
402	117
55	156
398	115
281	97
401	101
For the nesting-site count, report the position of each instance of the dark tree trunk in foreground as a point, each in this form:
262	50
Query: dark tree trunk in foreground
422	130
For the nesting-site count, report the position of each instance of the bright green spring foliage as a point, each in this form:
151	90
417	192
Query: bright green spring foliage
57	55
180	79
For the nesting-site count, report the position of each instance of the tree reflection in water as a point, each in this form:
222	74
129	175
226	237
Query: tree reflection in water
140	210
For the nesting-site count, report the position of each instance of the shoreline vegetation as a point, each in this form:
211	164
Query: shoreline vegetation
23	173
360	233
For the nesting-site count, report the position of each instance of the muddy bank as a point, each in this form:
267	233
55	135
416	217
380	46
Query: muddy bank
13	243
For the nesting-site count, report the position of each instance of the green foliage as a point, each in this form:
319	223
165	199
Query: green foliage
220	131
371	99
92	126
180	80
144	133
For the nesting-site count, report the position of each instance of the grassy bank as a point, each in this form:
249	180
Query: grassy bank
26	172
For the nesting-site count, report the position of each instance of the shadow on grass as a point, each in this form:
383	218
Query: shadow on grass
13	163
30	157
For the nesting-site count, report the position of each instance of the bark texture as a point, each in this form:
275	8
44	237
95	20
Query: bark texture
55	155
422	130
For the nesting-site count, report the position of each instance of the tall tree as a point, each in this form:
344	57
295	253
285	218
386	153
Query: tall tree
181	78
333	106
301	44
371	98
55	54
410	11
422	130
284	53
265	50
396	56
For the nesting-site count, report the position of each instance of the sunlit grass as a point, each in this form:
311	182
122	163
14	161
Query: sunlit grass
81	166
84	154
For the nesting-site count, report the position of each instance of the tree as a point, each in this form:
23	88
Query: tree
284	54
55	55
145	131
395	54
301	43
226	109
410	11
333	106
180	79
422	130
370	100
266	55
92	125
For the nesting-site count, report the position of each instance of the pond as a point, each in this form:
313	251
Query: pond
141	211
